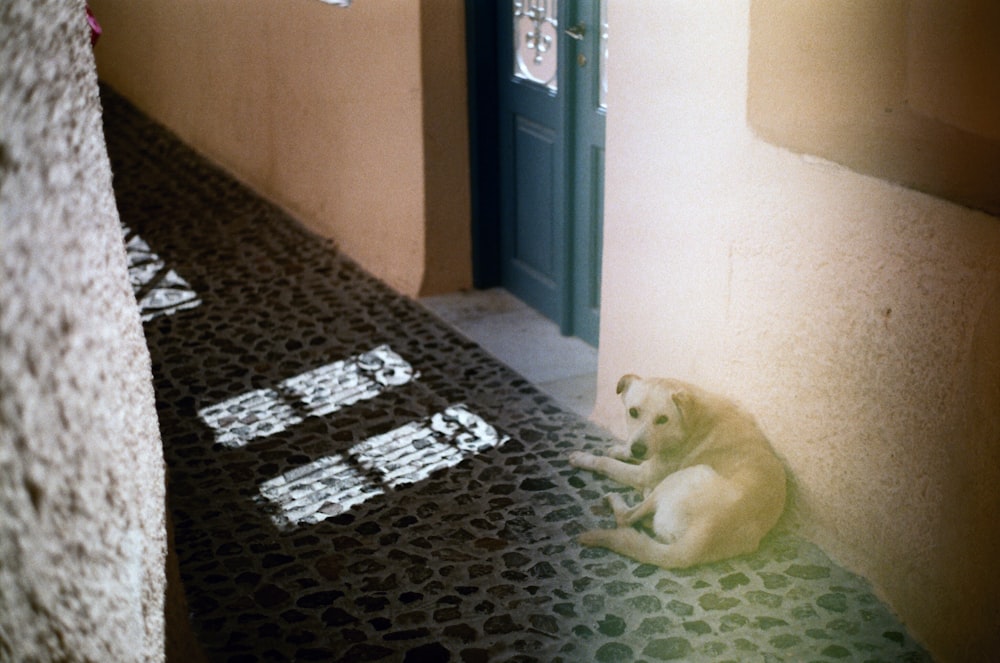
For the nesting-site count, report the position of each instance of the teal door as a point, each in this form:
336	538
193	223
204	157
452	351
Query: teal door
550	127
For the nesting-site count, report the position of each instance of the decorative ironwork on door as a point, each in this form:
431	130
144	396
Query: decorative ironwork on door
536	41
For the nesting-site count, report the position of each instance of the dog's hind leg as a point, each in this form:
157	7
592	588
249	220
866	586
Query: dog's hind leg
643	548
627	516
626	473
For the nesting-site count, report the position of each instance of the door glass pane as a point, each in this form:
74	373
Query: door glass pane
536	41
603	94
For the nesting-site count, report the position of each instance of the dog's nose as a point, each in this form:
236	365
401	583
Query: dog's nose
638	450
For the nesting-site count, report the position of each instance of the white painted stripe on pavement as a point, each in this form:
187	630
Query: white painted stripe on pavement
263	412
406	455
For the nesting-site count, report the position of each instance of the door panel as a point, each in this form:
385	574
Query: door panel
534	220
550	128
532	157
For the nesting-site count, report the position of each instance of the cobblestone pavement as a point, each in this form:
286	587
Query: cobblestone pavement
352	481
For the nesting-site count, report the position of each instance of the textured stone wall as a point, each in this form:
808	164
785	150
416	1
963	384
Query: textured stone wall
82	533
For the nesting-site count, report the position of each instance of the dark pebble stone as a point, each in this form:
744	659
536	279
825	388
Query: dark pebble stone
371	603
270	595
330	567
764	598
429	653
366	652
654	626
248	578
293	616
645	603
611	625
447	614
668	649
565	609
836	651
716	602
545	623
475	656
368	528
318	599
700	627
785	640
364	566
808	571
542	570
462	632
614	652
408	634
514	560
536	484
376	584
645	570
480	570
621	588
734	580
732	621
765	623
410	597
276	559
500	624
337	617
487	543
380	623
834	602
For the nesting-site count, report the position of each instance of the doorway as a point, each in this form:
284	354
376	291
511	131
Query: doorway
537	116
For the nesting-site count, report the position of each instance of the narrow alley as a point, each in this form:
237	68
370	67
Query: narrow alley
350	479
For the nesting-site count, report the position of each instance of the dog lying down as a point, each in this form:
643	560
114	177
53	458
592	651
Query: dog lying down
712	485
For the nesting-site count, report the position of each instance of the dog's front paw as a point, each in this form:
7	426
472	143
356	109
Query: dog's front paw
582	459
596	538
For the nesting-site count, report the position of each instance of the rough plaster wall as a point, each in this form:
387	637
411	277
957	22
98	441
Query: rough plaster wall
82	534
858	319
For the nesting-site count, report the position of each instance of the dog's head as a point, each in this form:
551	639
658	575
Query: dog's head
656	411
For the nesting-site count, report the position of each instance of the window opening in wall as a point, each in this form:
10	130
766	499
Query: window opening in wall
536	41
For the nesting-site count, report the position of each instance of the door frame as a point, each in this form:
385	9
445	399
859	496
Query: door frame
484	150
484	72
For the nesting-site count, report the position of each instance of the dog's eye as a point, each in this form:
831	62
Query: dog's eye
662	419
633	412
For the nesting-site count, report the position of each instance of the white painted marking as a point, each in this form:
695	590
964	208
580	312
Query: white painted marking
406	455
263	412
158	289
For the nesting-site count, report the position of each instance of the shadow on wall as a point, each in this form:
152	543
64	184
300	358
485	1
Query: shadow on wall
912	97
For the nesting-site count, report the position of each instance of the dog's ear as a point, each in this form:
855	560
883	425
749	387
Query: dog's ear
690	408
625	383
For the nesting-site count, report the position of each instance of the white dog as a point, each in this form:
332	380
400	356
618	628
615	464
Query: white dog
712	485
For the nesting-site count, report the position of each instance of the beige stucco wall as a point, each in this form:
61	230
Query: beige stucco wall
905	90
858	319
352	119
82	533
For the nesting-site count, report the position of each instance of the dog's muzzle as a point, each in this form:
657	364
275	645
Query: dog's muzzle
639	450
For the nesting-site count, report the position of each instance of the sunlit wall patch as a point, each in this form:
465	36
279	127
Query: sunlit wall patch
263	412
159	290
406	455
